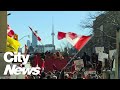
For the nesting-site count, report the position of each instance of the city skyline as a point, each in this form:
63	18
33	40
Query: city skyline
34	40
66	21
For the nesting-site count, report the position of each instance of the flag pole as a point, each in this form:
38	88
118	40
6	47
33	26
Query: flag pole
74	57
71	60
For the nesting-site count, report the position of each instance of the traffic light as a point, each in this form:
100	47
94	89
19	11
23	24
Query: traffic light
16	37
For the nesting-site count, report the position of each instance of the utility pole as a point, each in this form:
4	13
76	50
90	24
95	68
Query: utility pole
117	61
3	38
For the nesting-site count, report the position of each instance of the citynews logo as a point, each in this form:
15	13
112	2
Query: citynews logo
17	70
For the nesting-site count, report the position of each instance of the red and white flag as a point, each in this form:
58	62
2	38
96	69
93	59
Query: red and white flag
54	67
36	61
10	32
43	66
38	38
77	41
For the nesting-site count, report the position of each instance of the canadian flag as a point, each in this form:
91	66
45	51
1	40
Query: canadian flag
38	38
77	41
10	32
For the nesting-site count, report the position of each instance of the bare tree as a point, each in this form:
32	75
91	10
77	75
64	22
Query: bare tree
113	17
88	23
108	19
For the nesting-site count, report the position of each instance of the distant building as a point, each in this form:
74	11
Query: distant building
58	50
49	47
31	49
20	50
39	48
28	43
44	48
34	40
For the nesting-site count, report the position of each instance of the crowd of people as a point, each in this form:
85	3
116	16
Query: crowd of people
90	63
64	75
48	55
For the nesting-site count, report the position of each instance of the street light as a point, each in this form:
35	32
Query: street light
24	37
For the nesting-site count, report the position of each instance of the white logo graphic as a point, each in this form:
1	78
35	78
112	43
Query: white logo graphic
14	69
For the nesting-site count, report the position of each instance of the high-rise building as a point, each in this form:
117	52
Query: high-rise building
44	48
20	50
39	49
31	49
28	43
34	40
49	47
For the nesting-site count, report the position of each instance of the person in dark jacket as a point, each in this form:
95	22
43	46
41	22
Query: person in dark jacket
99	67
86	59
62	75
94	60
43	75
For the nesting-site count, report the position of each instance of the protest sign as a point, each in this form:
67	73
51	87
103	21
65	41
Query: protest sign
102	56
78	64
112	53
99	49
86	73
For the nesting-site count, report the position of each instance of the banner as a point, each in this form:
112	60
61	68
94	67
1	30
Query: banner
78	64
86	73
12	45
99	49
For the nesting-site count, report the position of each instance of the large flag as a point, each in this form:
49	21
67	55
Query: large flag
36	64
77	41
10	32
36	61
61	35
43	66
12	45
54	67
38	38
